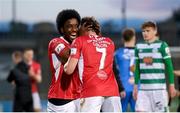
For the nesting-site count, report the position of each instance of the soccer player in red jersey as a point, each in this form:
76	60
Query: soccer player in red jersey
36	77
94	55
64	90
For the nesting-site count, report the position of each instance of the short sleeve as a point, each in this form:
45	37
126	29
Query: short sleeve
58	46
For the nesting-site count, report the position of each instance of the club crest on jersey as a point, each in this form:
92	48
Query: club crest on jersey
102	75
148	60
73	51
59	48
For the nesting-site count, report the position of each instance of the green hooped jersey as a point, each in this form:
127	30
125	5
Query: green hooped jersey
152	60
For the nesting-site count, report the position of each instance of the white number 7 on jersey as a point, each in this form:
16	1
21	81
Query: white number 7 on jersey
103	51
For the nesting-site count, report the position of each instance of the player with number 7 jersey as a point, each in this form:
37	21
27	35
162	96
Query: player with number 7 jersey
94	55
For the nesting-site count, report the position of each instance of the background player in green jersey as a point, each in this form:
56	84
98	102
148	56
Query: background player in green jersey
153	59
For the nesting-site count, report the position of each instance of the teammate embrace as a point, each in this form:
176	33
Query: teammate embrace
81	62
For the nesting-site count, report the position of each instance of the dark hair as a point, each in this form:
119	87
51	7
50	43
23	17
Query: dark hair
17	54
128	34
149	24
94	24
65	15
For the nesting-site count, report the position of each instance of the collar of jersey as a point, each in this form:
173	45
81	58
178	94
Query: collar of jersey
157	40
64	39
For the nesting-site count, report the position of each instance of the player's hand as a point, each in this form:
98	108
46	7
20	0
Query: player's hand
83	28
172	91
122	94
135	92
177	73
132	68
31	72
178	93
131	80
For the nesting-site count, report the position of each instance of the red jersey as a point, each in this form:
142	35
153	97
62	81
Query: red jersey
95	63
62	86
36	67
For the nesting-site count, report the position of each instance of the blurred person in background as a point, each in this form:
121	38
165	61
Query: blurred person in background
36	77
64	91
153	59
20	78
177	73
94	56
125	63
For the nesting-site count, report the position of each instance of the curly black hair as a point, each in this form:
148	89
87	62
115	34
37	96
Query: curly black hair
64	15
94	24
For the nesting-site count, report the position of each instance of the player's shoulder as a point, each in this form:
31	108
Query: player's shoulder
141	44
57	40
35	62
163	42
53	40
78	39
81	37
108	39
119	50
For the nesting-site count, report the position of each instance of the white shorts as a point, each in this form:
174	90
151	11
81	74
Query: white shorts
106	104
72	106
36	100
152	101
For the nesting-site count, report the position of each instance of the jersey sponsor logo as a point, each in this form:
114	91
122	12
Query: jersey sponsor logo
73	51
148	60
99	42
102	75
59	48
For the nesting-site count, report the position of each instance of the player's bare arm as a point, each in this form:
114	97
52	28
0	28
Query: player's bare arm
172	91
70	66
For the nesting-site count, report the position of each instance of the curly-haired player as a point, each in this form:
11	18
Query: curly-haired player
64	90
